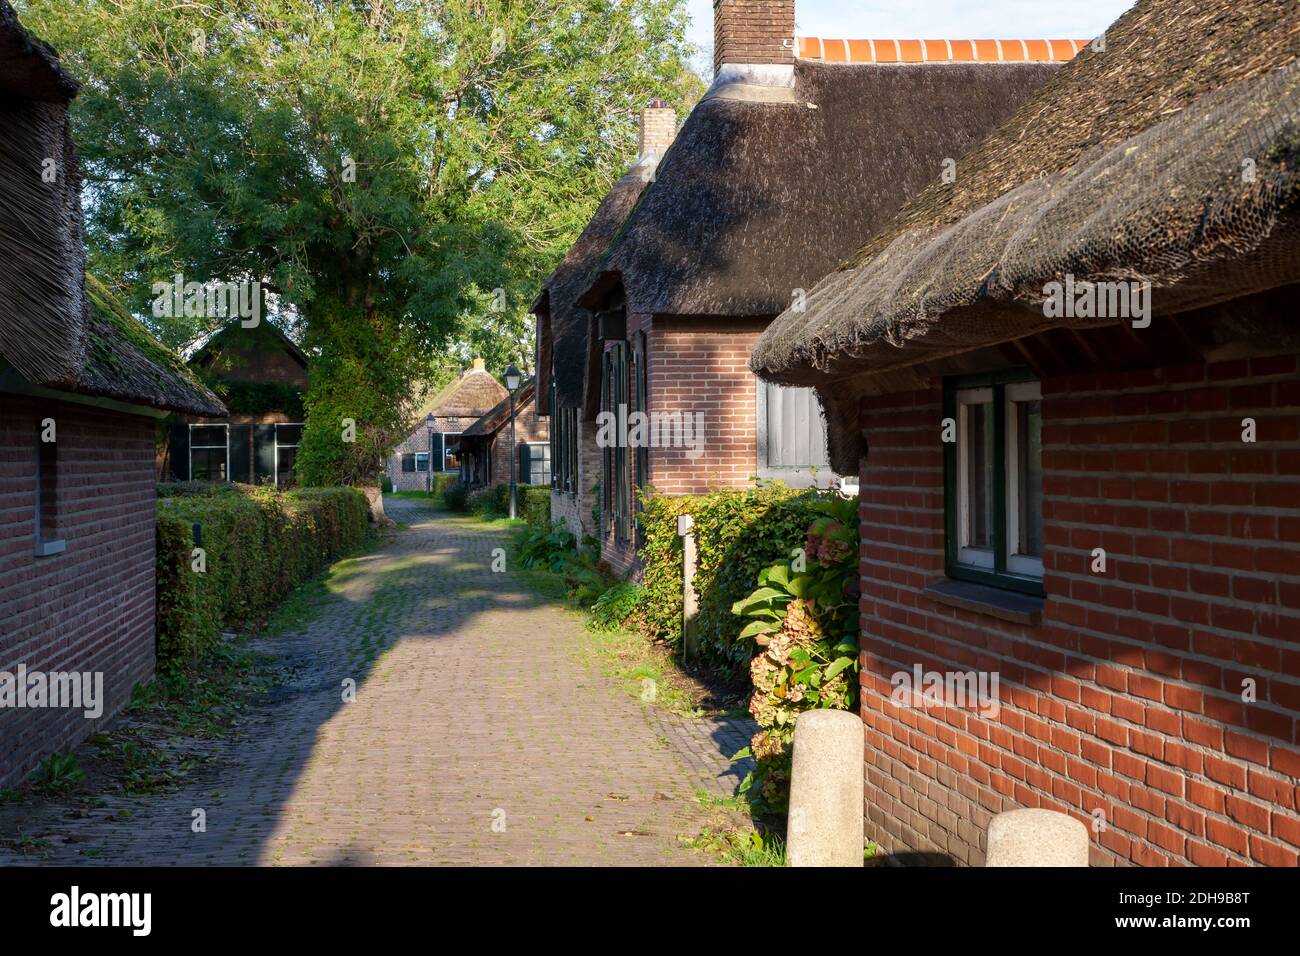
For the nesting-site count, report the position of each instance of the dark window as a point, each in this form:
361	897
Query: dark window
209	453
408	463
47	495
287	438
619	458
993	480
451	452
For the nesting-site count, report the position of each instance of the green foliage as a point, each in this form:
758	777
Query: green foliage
381	168
386	484
258	544
58	773
616	606
535	505
551	548
256	398
491	502
803	615
456	496
737	534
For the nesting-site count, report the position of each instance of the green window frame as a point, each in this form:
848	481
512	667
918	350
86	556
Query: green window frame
982	543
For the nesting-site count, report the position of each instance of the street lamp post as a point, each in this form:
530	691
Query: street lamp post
428	444
512	383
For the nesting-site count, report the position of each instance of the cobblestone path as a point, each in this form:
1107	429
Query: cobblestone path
475	737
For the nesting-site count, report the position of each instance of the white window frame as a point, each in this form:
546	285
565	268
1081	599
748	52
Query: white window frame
225	427
421	455
982	558
275	475
1023	565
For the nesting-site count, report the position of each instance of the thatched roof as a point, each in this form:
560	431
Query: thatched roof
124	362
564	325
29	70
499	416
765	191
471	394
60	328
265	334
1171	158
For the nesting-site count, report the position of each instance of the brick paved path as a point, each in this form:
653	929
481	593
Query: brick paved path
469	708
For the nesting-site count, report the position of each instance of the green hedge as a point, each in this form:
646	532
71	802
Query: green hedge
490	502
258	543
737	535
535	505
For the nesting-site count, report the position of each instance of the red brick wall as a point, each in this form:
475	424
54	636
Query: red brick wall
698	366
1127	696
90	608
528	427
753	31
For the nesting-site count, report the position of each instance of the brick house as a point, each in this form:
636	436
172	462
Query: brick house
261	376
785	166
439	422
82	389
1098	507
565	364
486	454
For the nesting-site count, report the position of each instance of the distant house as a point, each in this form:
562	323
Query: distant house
438	425
261	376
82	389
486	454
785	167
1070	382
565	364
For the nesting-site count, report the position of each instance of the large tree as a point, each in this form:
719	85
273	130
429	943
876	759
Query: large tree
394	173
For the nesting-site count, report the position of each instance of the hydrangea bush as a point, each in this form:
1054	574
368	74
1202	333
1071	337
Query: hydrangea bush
804	618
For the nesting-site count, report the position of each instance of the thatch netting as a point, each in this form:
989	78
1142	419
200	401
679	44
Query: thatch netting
570	323
1170	159
760	197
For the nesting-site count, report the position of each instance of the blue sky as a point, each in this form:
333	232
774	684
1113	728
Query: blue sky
939	19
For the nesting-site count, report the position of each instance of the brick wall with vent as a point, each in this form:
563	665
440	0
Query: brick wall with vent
1127	697
90	607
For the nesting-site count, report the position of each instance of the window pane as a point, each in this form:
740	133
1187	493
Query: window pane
208	435
1029	422
284	477
288	434
451	453
208	464
979	476
421	461
408	463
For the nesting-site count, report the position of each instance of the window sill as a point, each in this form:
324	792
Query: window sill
45	549
982	599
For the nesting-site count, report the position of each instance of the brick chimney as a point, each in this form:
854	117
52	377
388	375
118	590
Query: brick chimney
658	127
753	42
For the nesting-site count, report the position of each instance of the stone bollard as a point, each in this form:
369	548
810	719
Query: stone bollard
826	790
1036	838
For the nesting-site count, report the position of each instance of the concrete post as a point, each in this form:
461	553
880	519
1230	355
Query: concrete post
1036	838
826	790
690	601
